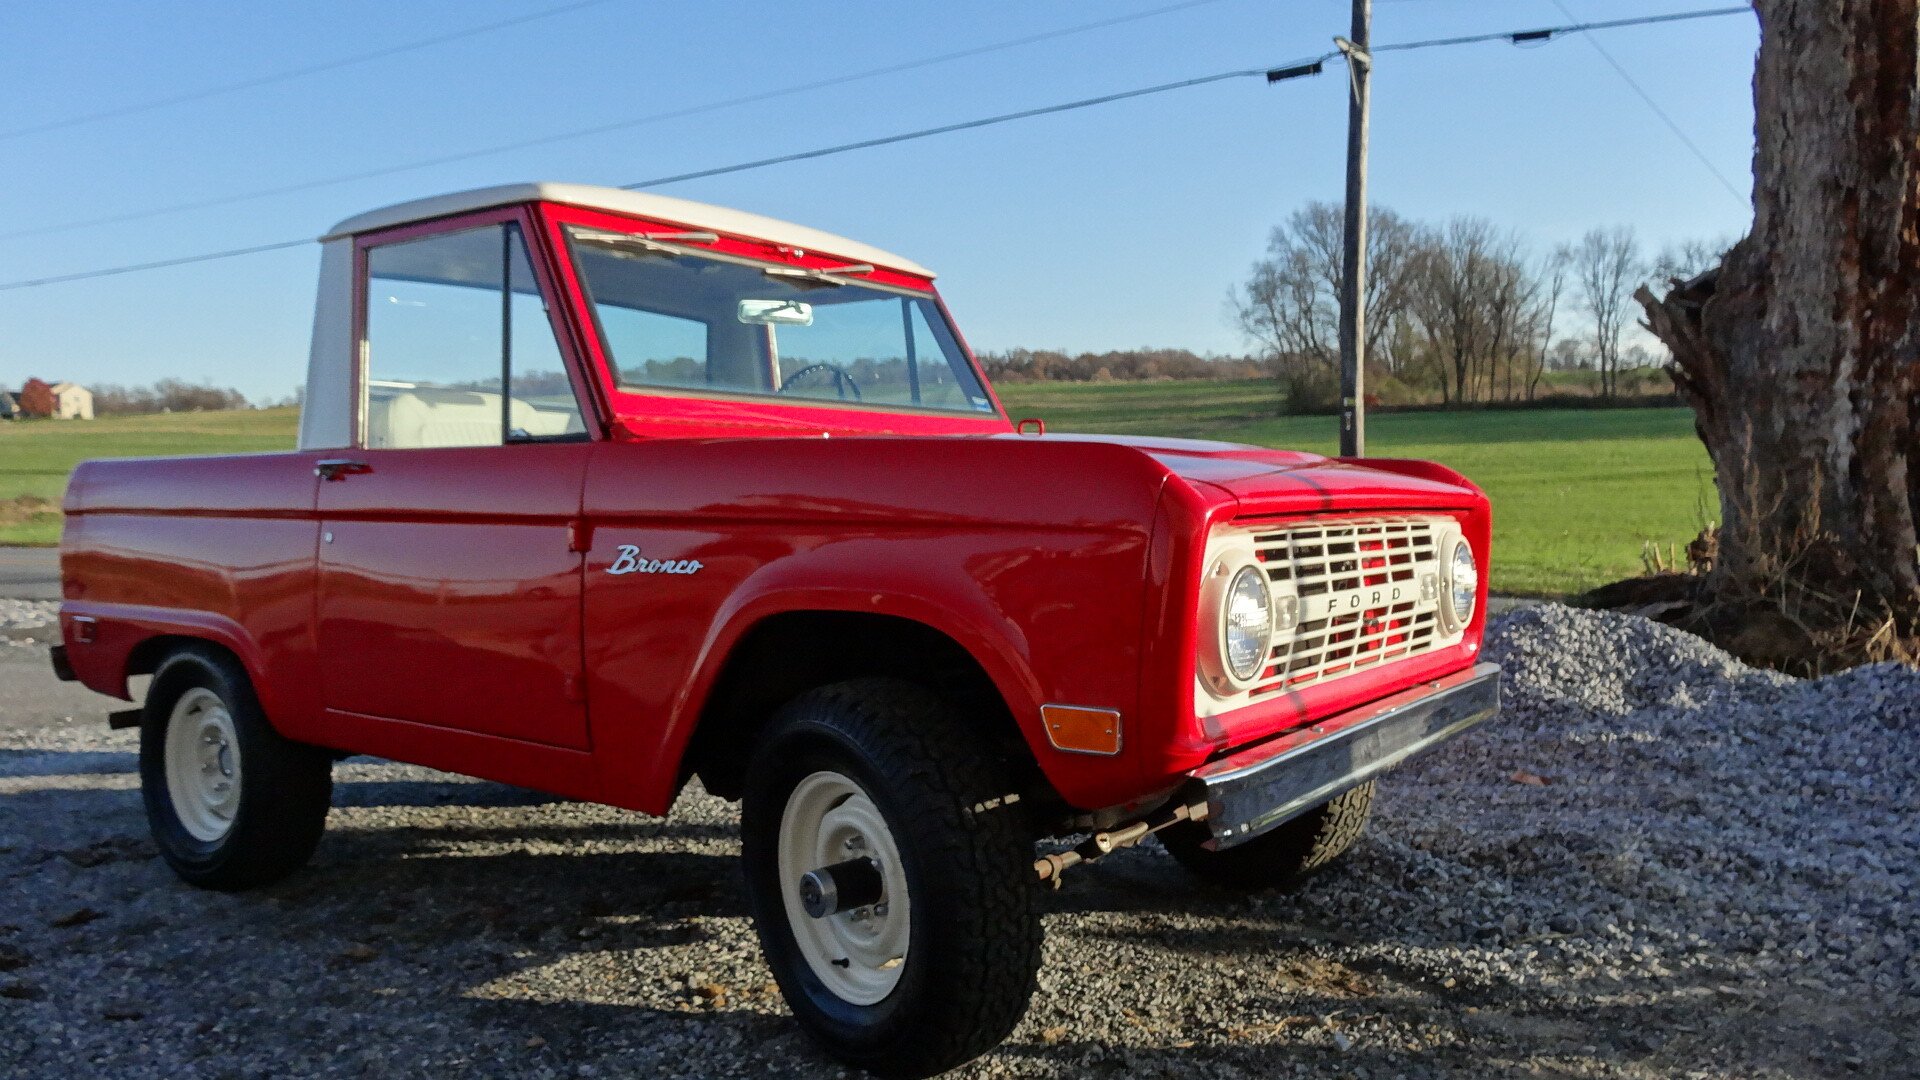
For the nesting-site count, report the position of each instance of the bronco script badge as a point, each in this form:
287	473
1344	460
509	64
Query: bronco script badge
630	562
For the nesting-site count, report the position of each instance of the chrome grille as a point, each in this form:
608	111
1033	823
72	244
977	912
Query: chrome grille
1350	594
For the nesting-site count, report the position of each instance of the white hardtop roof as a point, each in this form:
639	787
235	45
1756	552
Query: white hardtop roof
620	201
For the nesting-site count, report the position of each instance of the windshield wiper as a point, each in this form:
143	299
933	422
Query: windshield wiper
648	243
825	275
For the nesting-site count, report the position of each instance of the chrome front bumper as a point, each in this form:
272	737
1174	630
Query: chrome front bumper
1269	784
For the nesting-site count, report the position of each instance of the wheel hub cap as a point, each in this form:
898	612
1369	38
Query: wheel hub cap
857	953
203	764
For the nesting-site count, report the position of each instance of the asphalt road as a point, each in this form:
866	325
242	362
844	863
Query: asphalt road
35	700
29	573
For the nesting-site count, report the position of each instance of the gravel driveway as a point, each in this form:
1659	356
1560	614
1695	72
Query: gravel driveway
1658	863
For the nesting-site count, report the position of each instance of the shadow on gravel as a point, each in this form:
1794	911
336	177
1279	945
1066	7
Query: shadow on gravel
454	893
651	830
1268	1053
376	793
66	762
576	1031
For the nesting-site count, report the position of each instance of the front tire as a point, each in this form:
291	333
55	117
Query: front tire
1282	858
231	803
938	965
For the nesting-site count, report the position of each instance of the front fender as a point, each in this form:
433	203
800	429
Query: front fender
1050	615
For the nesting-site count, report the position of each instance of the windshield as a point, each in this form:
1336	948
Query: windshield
677	321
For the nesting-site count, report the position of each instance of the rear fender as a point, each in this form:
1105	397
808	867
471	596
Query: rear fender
124	638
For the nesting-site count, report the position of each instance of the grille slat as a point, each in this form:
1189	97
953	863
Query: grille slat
1335	568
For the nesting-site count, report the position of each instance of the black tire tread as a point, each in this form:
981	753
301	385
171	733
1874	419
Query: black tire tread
287	786
942	772
1284	858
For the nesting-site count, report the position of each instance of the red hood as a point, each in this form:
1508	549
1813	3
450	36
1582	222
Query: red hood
1290	481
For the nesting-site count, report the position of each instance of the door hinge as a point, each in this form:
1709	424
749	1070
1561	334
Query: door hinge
579	536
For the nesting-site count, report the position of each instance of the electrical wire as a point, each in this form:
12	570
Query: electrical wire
929	132
294	73
1516	36
158	264
1665	117
602	129
923	133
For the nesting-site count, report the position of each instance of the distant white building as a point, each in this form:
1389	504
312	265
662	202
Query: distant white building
71	401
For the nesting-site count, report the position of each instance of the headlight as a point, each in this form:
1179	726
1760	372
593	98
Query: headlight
1246	624
1463	582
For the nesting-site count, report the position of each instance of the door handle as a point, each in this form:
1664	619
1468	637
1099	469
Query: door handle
335	468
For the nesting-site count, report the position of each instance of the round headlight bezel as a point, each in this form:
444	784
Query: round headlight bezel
1221	677
1460	612
1255	576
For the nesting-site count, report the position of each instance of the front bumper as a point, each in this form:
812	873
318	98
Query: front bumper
1257	789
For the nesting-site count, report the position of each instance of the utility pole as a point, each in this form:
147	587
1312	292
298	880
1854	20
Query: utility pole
1353	270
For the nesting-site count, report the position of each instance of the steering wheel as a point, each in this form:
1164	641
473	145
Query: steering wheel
843	384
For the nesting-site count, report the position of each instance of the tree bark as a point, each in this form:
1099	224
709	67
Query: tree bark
1798	353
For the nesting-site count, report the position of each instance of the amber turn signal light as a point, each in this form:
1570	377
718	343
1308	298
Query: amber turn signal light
1080	730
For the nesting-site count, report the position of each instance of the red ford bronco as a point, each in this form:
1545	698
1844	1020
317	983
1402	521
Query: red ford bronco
599	491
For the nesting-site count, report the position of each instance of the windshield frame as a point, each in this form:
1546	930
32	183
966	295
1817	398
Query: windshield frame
646	407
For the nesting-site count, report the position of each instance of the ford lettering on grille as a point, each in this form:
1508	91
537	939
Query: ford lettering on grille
1352	593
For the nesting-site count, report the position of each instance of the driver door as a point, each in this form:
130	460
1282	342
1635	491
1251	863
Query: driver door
449	593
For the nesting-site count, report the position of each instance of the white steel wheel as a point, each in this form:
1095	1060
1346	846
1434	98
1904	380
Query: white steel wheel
203	765
858	954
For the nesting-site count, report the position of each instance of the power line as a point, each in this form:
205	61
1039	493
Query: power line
294	73
1543	33
603	129
1665	118
1299	67
158	264
1304	66
923	133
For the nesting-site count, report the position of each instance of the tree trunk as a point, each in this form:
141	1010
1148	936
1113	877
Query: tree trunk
1798	352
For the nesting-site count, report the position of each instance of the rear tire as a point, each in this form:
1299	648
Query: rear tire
885	770
231	803
1283	858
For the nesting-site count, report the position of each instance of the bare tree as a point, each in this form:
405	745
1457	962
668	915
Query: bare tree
1608	266
1551	282
1688	259
1800	354
1290	304
1471	296
1283	308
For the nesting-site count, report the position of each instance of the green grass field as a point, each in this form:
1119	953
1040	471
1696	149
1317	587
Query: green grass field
1576	493
37	455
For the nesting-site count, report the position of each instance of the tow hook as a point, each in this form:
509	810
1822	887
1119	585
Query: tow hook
1049	868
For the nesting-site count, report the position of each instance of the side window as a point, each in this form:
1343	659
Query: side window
939	383
459	349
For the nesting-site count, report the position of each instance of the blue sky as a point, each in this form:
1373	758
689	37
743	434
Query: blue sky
1112	227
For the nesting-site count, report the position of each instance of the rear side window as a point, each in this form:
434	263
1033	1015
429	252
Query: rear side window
459	350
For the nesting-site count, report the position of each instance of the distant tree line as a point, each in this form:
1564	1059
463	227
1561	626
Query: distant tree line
167	395
1123	365
1457	311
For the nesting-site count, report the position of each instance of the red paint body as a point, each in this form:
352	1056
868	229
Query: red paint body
450	606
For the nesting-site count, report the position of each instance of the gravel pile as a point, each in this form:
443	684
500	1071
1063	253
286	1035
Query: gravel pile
26	622
1657	863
